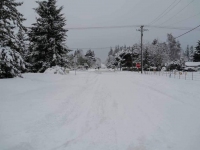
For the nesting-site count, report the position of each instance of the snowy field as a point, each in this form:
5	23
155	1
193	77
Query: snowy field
99	111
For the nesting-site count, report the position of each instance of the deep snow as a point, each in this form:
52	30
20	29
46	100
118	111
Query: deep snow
93	111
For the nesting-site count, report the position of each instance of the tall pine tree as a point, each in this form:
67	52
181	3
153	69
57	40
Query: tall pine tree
21	43
191	53
187	53
110	53
146	57
174	48
197	53
11	62
48	37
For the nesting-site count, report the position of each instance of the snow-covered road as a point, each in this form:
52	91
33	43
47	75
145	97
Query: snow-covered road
92	111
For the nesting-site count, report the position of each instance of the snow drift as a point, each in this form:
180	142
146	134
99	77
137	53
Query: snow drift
57	70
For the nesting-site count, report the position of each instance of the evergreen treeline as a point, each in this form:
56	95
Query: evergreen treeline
86	60
155	54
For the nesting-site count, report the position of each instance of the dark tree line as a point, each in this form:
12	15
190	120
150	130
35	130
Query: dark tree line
41	46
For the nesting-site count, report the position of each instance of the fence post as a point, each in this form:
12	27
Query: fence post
185	75
192	75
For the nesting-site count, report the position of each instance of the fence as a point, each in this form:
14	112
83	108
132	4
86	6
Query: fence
176	74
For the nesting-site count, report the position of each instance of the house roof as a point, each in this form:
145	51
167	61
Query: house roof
192	64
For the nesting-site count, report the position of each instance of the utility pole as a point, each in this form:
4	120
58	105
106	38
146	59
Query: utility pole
75	61
142	30
132	58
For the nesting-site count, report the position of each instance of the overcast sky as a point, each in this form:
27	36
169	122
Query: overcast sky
86	13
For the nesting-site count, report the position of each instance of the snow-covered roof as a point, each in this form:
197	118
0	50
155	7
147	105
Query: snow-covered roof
192	64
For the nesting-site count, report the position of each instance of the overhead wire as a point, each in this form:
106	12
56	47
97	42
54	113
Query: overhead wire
185	19
102	27
147	26
187	32
170	27
168	11
97	48
178	12
157	18
114	46
128	26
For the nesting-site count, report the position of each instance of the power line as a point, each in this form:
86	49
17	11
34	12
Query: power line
169	10
187	32
178	12
114	46
103	27
129	26
170	27
186	19
156	19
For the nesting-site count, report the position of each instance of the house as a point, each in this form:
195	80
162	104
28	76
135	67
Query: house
192	66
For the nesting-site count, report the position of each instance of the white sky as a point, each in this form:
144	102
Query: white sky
84	13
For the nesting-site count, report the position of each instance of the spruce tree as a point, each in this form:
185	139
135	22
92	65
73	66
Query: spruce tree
197	53
174	48
11	61
110	53
191	53
187	53
21	43
48	37
146	57
90	56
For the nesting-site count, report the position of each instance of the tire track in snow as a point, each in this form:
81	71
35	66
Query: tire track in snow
174	98
95	116
64	115
86	125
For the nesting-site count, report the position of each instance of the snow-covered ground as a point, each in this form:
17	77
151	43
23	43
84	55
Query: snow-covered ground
99	111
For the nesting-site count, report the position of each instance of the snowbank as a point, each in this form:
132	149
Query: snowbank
57	70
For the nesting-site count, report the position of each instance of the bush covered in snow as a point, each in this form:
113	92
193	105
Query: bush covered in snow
57	70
